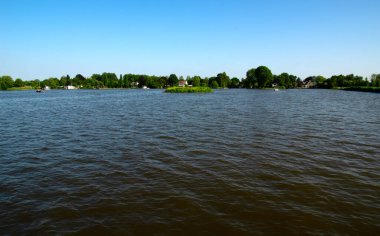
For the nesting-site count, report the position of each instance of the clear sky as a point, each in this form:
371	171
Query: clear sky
40	39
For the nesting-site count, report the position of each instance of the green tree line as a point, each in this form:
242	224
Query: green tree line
260	77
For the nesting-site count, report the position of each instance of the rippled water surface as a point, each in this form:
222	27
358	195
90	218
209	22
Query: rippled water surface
234	162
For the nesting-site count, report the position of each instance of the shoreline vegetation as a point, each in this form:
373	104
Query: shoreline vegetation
256	78
363	89
23	88
189	90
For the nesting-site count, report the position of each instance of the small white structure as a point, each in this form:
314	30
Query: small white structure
182	83
145	87
69	87
134	84
46	88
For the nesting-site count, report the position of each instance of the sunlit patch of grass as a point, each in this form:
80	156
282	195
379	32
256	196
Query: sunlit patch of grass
20	88
189	90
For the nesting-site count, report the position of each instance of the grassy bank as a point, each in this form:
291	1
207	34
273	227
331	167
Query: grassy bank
364	89
20	88
189	90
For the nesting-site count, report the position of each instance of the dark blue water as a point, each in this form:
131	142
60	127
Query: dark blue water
233	162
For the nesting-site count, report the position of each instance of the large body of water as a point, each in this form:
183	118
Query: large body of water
233	162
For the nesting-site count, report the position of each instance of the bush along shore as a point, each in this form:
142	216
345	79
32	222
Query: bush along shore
256	78
189	90
364	89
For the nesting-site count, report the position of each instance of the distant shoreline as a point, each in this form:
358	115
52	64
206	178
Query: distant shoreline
363	89
200	90
257	78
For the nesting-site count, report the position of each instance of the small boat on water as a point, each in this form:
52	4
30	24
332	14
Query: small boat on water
39	89
276	90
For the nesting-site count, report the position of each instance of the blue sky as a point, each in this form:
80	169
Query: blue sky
40	39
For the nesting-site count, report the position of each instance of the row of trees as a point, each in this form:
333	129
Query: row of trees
110	80
260	77
344	81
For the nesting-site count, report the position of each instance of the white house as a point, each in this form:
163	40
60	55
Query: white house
69	87
308	84
182	83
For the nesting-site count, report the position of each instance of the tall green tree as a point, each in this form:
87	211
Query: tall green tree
173	80
281	80
18	83
163	81
189	80
223	80
375	80
51	82
286	80
97	77
299	82
205	82
126	83
251	80
110	80
292	81
78	80
6	82
235	83
196	81
264	76
68	80
320	81
143	81
35	83
91	83
121	81
213	82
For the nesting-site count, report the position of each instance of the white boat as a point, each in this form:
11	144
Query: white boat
276	90
145	87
